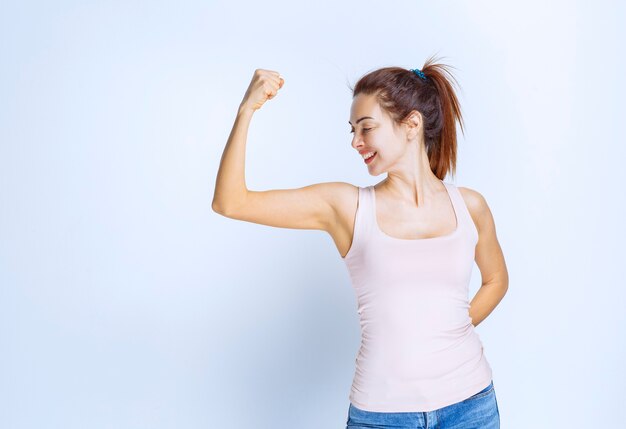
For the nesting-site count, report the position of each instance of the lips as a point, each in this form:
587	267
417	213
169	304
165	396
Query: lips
371	158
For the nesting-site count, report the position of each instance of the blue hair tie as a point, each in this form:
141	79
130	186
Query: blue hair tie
419	73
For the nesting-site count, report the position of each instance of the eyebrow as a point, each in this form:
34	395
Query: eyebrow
360	119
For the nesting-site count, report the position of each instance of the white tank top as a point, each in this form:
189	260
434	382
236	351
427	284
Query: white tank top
419	351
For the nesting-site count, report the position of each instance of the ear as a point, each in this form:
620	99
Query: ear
414	124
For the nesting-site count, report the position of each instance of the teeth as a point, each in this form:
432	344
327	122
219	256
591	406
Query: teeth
368	155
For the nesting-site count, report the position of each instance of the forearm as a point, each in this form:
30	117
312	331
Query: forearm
230	184
486	299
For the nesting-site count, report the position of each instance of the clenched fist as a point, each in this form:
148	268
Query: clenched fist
264	86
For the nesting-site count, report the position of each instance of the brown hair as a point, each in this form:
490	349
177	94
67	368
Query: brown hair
400	91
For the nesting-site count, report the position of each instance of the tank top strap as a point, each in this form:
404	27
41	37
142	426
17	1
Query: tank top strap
363	221
366	210
460	208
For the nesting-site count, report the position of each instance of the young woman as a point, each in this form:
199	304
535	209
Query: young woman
409	243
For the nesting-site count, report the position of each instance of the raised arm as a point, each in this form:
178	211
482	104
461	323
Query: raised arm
230	184
309	207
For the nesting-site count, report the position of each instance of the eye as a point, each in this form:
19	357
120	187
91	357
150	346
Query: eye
364	129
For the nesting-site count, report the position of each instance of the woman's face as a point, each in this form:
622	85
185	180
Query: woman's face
374	131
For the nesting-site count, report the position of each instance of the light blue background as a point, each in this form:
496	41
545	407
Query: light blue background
126	302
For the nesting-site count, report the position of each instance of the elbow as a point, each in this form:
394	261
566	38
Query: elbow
227	208
217	208
226	211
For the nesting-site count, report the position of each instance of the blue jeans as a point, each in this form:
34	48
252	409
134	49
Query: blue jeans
479	411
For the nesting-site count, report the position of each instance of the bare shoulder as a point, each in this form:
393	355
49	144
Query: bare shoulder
474	200
342	195
477	206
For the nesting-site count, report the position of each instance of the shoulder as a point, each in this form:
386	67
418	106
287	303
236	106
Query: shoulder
336	195
476	204
474	200
343	199
341	195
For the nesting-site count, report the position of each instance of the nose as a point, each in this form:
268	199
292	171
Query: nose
357	141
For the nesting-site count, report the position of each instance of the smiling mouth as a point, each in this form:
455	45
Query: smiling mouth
368	160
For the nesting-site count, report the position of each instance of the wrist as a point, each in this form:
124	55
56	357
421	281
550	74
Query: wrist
245	110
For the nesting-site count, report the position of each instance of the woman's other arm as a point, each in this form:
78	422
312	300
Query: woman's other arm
488	257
